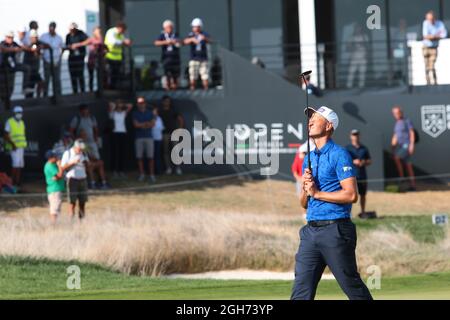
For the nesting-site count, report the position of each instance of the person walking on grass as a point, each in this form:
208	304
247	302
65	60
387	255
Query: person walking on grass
74	162
55	185
143	122
328	191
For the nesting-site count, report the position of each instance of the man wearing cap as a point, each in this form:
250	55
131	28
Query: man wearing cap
74	163
170	44
76	57
198	64
9	63
15	143
329	238
361	159
115	41
52	59
55	184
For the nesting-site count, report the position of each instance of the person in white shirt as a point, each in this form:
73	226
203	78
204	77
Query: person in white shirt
74	163
52	56
157	133
118	112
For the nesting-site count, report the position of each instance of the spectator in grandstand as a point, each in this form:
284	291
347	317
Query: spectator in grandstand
198	63
55	184
157	134
88	123
16	142
32	59
311	88
52	59
357	46
143	122
150	77
172	120
64	144
97	51
76	57
170	44
25	38
115	41
74	163
432	30
403	144
361	159
118	112
95	165
9	64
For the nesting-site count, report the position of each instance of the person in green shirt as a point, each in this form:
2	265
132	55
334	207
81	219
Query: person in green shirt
55	184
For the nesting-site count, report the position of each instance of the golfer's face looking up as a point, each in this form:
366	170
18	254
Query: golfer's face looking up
319	126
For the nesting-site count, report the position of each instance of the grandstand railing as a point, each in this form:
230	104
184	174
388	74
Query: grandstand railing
384	65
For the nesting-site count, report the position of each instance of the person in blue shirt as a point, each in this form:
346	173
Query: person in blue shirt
198	63
432	31
143	122
170	44
361	159
328	191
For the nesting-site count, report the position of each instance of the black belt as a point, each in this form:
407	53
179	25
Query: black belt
321	223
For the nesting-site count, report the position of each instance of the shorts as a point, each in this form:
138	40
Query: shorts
362	188
402	152
17	158
144	145
93	150
77	190
171	67
198	67
55	201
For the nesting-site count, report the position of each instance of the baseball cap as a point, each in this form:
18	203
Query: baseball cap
50	154
79	144
327	113
73	25
354	132
167	23
9	34
197	22
18	109
33	33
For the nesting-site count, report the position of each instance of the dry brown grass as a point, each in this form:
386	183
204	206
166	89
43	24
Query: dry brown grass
253	226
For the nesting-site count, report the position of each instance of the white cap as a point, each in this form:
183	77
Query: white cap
33	33
304	147
79	144
18	109
9	34
327	113
167	23
197	22
73	25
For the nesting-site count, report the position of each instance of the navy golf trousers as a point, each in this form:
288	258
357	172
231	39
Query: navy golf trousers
334	246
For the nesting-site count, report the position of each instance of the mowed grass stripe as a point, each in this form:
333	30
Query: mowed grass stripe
44	279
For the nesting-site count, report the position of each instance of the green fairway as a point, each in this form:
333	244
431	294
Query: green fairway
43	279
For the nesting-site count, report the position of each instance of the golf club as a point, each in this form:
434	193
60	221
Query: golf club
303	76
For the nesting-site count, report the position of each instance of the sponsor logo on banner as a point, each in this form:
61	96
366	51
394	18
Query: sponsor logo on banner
435	119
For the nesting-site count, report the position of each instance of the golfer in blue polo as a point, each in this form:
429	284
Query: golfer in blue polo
328	191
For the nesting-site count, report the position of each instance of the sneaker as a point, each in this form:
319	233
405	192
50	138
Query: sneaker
152	179
105	186
169	171
141	178
178	171
92	185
